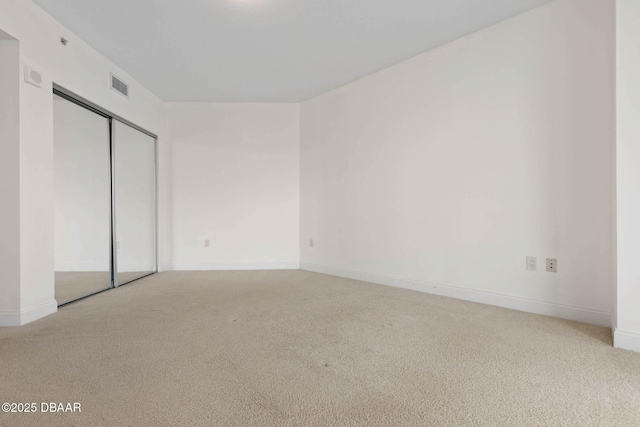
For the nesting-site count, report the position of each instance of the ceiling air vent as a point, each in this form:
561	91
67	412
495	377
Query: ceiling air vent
119	86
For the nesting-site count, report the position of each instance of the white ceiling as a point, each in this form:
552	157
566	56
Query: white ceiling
268	50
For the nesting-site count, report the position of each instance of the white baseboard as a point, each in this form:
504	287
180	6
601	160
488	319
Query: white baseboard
27	315
214	266
627	340
580	314
10	318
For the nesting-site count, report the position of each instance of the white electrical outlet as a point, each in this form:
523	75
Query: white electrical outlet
311	243
118	244
532	263
207	243
552	265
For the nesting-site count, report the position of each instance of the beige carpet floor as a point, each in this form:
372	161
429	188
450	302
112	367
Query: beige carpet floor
294	348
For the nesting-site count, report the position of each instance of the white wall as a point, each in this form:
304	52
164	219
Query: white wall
9	174
81	69
444	172
82	186
234	180
627	333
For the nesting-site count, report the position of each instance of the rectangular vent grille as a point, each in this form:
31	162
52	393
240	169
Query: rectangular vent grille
119	86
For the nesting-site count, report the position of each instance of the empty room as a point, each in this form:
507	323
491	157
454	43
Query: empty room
333	213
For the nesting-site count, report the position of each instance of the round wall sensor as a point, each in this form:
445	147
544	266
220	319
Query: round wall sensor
32	77
36	77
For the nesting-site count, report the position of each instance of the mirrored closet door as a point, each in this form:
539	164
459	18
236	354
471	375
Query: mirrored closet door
135	190
105	199
82	200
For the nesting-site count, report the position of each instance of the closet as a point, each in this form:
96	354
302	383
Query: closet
105	199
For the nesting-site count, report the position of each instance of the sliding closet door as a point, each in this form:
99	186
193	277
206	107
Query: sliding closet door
135	202
82	192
